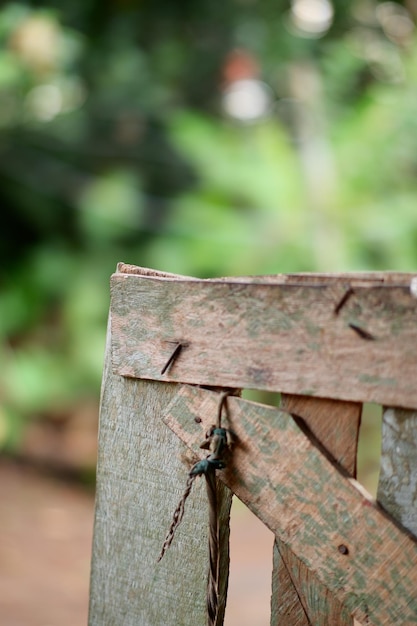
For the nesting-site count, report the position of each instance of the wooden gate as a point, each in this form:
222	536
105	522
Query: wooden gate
327	343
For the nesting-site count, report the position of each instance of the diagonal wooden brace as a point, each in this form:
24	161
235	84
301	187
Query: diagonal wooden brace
345	540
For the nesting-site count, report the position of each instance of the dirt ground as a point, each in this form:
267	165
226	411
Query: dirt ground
45	548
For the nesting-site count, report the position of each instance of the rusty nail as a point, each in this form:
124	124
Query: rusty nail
339	306
364	334
174	355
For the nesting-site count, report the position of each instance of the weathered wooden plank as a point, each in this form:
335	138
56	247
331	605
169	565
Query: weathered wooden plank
141	476
293	337
348	543
287	603
297	596
316	604
335	425
397	489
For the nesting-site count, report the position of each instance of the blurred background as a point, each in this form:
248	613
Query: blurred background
197	137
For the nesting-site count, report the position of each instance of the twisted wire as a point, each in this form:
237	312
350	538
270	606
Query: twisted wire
218	443
178	515
214	553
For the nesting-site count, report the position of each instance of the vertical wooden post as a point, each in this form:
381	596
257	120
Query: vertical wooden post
140	478
297	597
397	489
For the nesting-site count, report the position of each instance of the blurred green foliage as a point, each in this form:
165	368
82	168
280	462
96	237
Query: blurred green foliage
117	144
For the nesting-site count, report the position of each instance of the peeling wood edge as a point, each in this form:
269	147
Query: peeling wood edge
349	280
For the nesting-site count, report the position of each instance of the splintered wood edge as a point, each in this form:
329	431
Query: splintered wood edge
356	551
145	272
348	278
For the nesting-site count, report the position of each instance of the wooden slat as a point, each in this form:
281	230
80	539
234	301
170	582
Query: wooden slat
397	489
312	603
296	337
141	476
287	604
335	424
349	544
297	596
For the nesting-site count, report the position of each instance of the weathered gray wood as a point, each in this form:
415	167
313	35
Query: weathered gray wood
297	596
287	604
293	333
397	489
353	548
295	337
141	476
312	603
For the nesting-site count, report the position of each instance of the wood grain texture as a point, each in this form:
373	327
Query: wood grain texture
287	604
309	603
278	335
360	556
397	489
141	476
297	596
335	424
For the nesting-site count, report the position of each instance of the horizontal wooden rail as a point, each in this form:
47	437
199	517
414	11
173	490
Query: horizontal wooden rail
355	550
348	337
